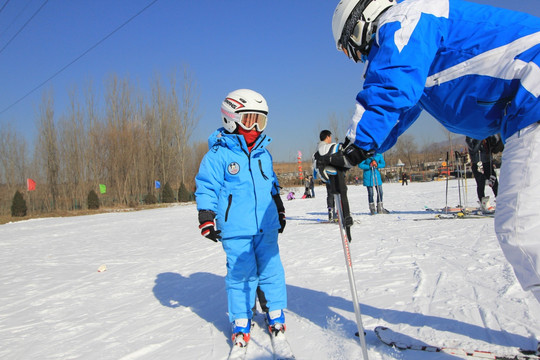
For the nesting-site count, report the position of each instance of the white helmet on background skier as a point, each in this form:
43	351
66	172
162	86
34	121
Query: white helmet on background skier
354	25
246	108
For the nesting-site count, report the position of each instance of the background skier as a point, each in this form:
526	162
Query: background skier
372	178
482	166
335	180
324	147
404	179
239	204
474	68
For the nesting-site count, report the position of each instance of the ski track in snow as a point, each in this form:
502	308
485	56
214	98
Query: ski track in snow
441	282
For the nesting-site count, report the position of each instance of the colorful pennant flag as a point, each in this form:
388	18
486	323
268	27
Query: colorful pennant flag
158	184
30	184
102	188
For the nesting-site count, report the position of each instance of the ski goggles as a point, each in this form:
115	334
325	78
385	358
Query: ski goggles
357	40
250	120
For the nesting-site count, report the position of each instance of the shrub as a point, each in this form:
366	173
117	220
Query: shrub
149	199
18	206
93	200
183	194
167	195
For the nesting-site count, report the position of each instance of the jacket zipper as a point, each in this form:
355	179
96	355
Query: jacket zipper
262	172
228	207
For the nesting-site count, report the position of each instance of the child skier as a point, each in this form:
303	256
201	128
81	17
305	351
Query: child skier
239	204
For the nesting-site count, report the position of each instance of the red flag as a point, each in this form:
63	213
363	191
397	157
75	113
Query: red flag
31	184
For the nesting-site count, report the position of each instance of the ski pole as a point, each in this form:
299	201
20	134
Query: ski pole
466	188
447	176
352	282
458	166
375	184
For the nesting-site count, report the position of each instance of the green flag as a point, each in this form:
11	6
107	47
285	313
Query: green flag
102	188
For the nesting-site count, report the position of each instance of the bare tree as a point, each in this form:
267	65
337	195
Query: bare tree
163	129
13	165
184	110
406	148
13	157
73	145
47	148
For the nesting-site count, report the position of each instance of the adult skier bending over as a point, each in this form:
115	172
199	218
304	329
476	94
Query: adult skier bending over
475	68
239	204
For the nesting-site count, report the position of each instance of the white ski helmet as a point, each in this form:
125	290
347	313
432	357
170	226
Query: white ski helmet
354	25
246	108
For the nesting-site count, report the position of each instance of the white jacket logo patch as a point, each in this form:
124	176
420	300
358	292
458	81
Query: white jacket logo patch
233	168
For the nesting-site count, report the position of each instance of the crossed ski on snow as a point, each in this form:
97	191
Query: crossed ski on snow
391	338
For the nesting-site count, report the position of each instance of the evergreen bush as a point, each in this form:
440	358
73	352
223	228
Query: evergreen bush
93	200
149	199
183	194
18	205
167	195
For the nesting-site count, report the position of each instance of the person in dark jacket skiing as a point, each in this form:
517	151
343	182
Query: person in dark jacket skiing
335	180
476	69
326	145
483	168
239	205
404	179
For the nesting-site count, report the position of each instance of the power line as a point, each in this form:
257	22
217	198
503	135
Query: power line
16	18
78	57
26	23
2	8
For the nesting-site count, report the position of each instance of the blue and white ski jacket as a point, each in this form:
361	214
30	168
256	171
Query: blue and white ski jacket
369	171
238	185
475	68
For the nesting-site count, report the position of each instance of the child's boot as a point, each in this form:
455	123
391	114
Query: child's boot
241	332
276	321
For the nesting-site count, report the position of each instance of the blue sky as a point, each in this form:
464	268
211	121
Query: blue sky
283	49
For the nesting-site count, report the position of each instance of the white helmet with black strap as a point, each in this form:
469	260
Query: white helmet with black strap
354	25
245	108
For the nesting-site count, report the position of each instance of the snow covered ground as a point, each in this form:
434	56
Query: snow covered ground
162	296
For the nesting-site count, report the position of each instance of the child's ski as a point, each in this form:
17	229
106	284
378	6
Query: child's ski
280	345
237	352
282	348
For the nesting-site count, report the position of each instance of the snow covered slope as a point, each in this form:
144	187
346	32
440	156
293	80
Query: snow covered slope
162	296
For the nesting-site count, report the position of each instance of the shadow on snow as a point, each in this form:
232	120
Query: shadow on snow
204	293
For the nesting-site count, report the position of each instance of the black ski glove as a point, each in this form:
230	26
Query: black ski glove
282	222
351	155
354	155
495	144
208	226
281	212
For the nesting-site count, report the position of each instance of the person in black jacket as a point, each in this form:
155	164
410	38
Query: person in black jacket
483	169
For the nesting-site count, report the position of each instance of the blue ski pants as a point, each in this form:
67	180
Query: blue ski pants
254	261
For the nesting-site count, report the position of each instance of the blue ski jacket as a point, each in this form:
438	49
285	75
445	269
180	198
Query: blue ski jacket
238	185
370	173
474	68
